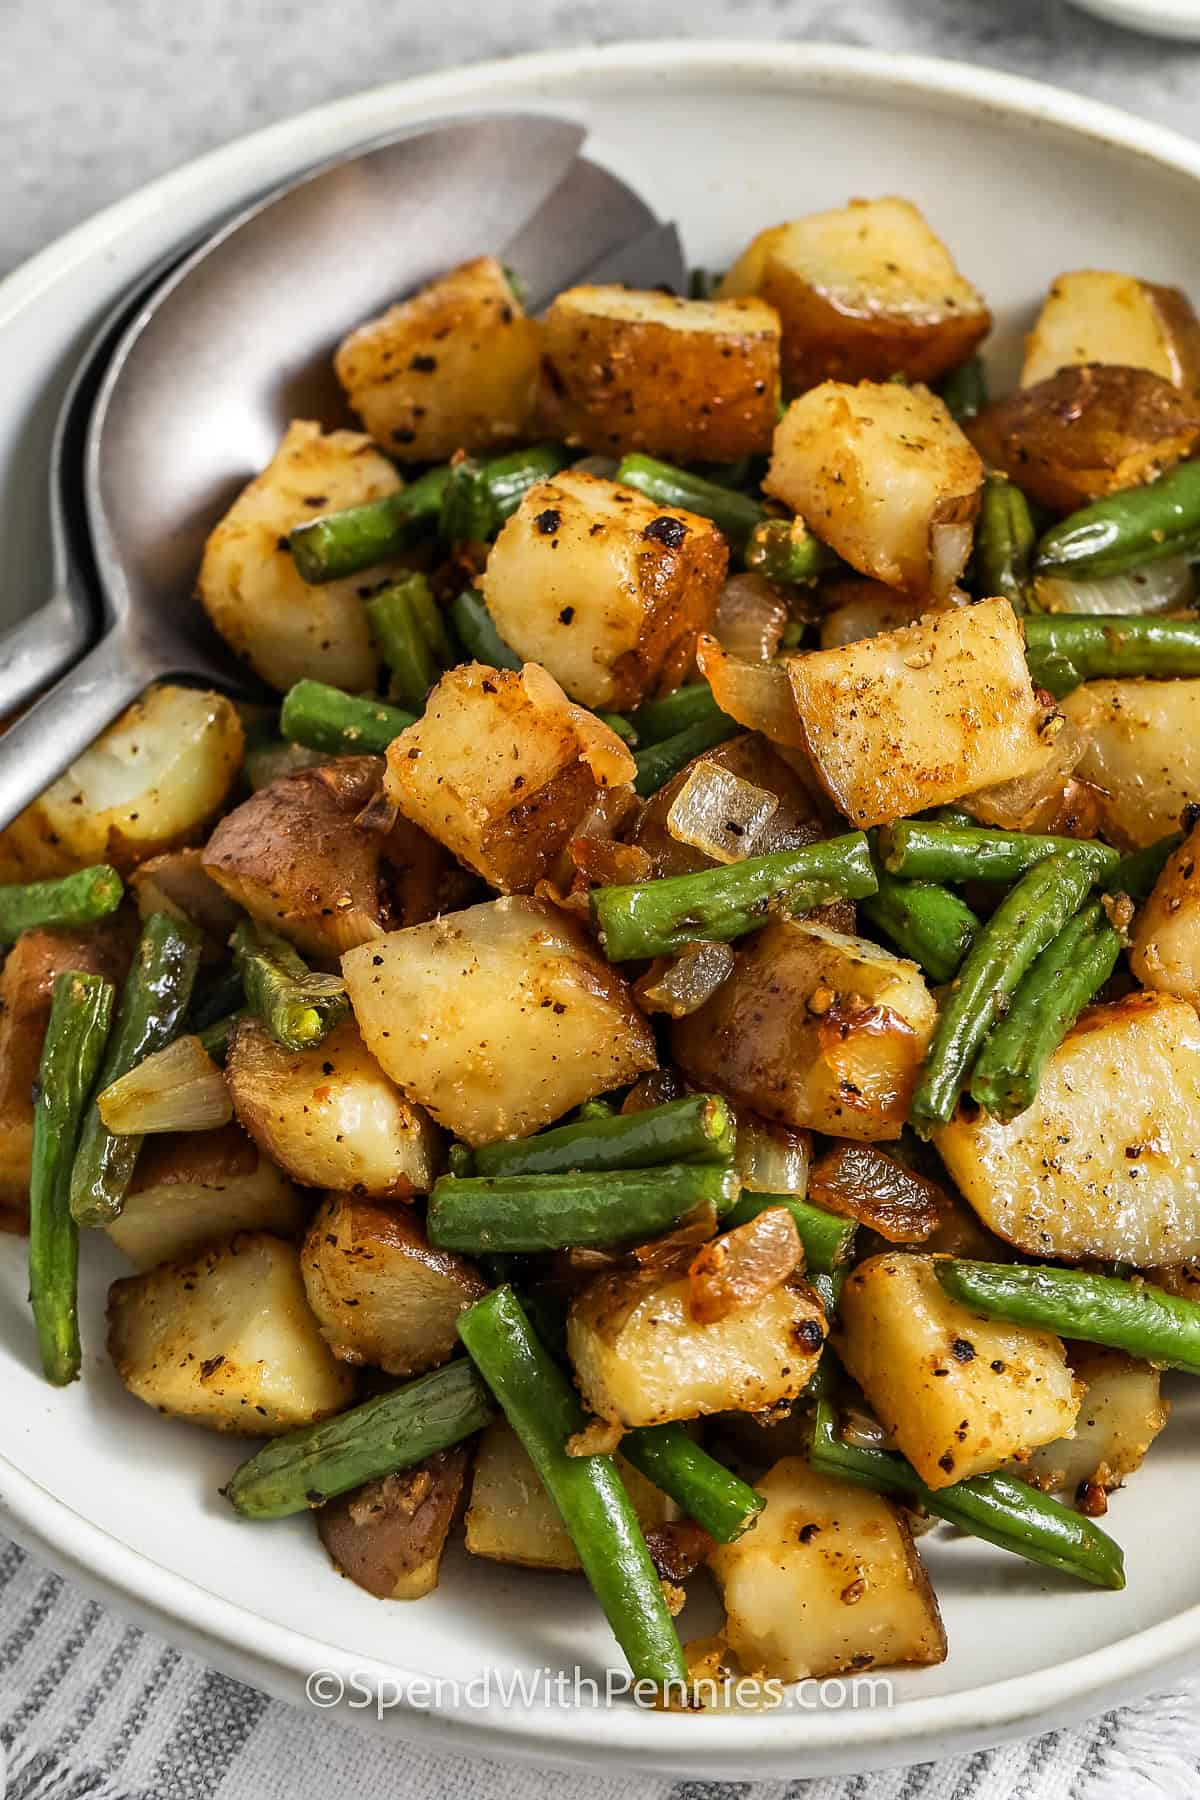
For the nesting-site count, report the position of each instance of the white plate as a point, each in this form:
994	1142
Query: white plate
1162	18
1023	182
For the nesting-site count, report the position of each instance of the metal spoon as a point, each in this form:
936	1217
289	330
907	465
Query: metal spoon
240	340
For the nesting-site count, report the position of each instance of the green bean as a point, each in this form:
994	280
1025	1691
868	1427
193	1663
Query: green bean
658	763
325	718
150	1013
655	918
524	1213
697	1128
225	996
390	1432
1004	543
927	850
298	1008
543	1410
1027	919
712	1495
398	623
1125	530
735	515
656	720
785	550
828	1240
342	543
1064	650
478	497
964	391
473	623
1137	873
83	898
927	922
1067	974
80	1015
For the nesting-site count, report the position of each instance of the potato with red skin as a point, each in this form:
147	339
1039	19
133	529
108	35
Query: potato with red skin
1100	316
388	1536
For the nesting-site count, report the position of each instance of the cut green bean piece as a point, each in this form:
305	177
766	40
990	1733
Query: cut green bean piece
543	1410
325	718
828	1241
390	1432
656	720
735	515
658	763
712	1495
697	1128
151	1011
927	850
298	1007
212	1004
80	1015
526	1213
478	497
654	918
1004	543
214	1039
361	537
964	391
1137	873
1064	650
785	550
399	623
480	639
929	923
83	898
1125	530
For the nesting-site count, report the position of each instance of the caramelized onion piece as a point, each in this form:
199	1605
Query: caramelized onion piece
698	1228
1028	802
677	1550
751	615
757	695
654	1089
679	985
742	1265
770	1158
860	1181
608	864
718	813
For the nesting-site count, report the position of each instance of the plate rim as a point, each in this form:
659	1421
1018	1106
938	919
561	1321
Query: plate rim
276	1657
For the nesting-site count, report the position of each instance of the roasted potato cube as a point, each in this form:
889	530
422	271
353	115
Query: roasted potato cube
178	883
512	1519
499	1018
149	783
694	380
1142	755
1165	953
27	980
1120	1415
959	1394
1087	432
251	588
603	588
501	768
1106	1162
388	1536
828	1579
227	1340
331	1117
864	291
1098	316
454	368
380	1293
859	608
922	715
640	1358
192	1187
885	477
815	1029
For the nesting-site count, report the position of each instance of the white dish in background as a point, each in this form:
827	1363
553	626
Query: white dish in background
1161	18
1023	182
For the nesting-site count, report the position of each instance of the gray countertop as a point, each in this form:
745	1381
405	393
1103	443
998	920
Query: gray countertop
101	95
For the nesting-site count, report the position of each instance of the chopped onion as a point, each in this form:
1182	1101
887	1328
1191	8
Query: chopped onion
858	1427
1028	802
179	1088
750	618
740	1267
770	1158
381	814
654	1089
682	1240
679	985
718	813
609	864
949	549
859	1181
177	883
1157	587
758	695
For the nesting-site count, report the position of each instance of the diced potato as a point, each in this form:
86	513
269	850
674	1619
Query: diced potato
1120	1415
177	882
1099	316
860	608
149	783
959	1394
380	1293
829	1579
293	856
693	380
512	1519
250	586
331	1117
388	1536
813	1028
192	1187
1165	953
1143	753
501	768
1084	433
497	1019
603	588
454	368
920	716
1106	1162
227	1340
884	476
863	292
27	980
640	1358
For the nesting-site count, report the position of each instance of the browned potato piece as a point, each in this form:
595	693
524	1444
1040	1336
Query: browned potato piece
454	368
178	883
1087	432
959	1394
501	768
30	970
388	1536
815	1029
1165	953
293	857
603	588
227	1340
250	587
863	292
191	1187
922	715
828	1579
693	380
1098	316
381	1295
751	758
499	1018
330	1116
1121	1413
884	476
1142	755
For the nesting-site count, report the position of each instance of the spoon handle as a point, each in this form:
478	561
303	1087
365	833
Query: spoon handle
44	741
39	648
